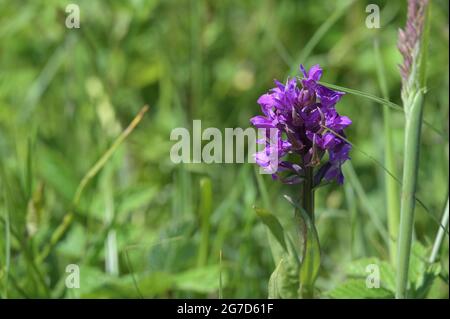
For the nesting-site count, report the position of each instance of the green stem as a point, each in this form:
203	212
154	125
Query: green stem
410	169
308	193
205	211
307	203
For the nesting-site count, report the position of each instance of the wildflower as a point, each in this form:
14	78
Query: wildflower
308	126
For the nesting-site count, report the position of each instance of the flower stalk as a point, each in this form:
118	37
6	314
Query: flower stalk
410	169
311	146
307	195
307	203
412	45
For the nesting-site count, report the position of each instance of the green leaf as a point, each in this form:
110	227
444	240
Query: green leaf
366	95
274	226
360	268
284	282
357	289
381	101
273	290
311	253
426	281
421	273
418	263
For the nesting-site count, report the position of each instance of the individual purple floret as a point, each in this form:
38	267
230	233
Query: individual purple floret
308	126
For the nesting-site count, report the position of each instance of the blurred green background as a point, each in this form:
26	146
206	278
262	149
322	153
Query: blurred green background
142	228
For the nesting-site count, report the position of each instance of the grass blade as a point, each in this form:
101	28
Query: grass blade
439	236
205	212
381	101
413	91
366	95
391	186
410	170
68	218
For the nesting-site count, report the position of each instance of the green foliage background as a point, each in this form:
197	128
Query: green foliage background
65	95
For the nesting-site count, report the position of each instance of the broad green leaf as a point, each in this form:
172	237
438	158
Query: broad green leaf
357	289
274	226
283	282
311	254
426	281
362	268
421	273
275	248
274	292
418	263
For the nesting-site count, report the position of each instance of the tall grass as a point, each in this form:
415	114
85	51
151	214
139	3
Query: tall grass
165	236
391	185
443	228
413	91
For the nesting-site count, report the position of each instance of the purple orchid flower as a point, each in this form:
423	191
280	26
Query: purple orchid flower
309	126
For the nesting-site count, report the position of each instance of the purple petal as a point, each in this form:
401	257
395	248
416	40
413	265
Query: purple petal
328	141
344	121
303	70
315	73
327	96
261	122
266	100
335	173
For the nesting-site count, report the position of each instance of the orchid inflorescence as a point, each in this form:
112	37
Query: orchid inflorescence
308	126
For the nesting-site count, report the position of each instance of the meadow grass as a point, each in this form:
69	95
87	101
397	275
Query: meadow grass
141	226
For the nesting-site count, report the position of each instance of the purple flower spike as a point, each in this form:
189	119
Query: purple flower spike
309	126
